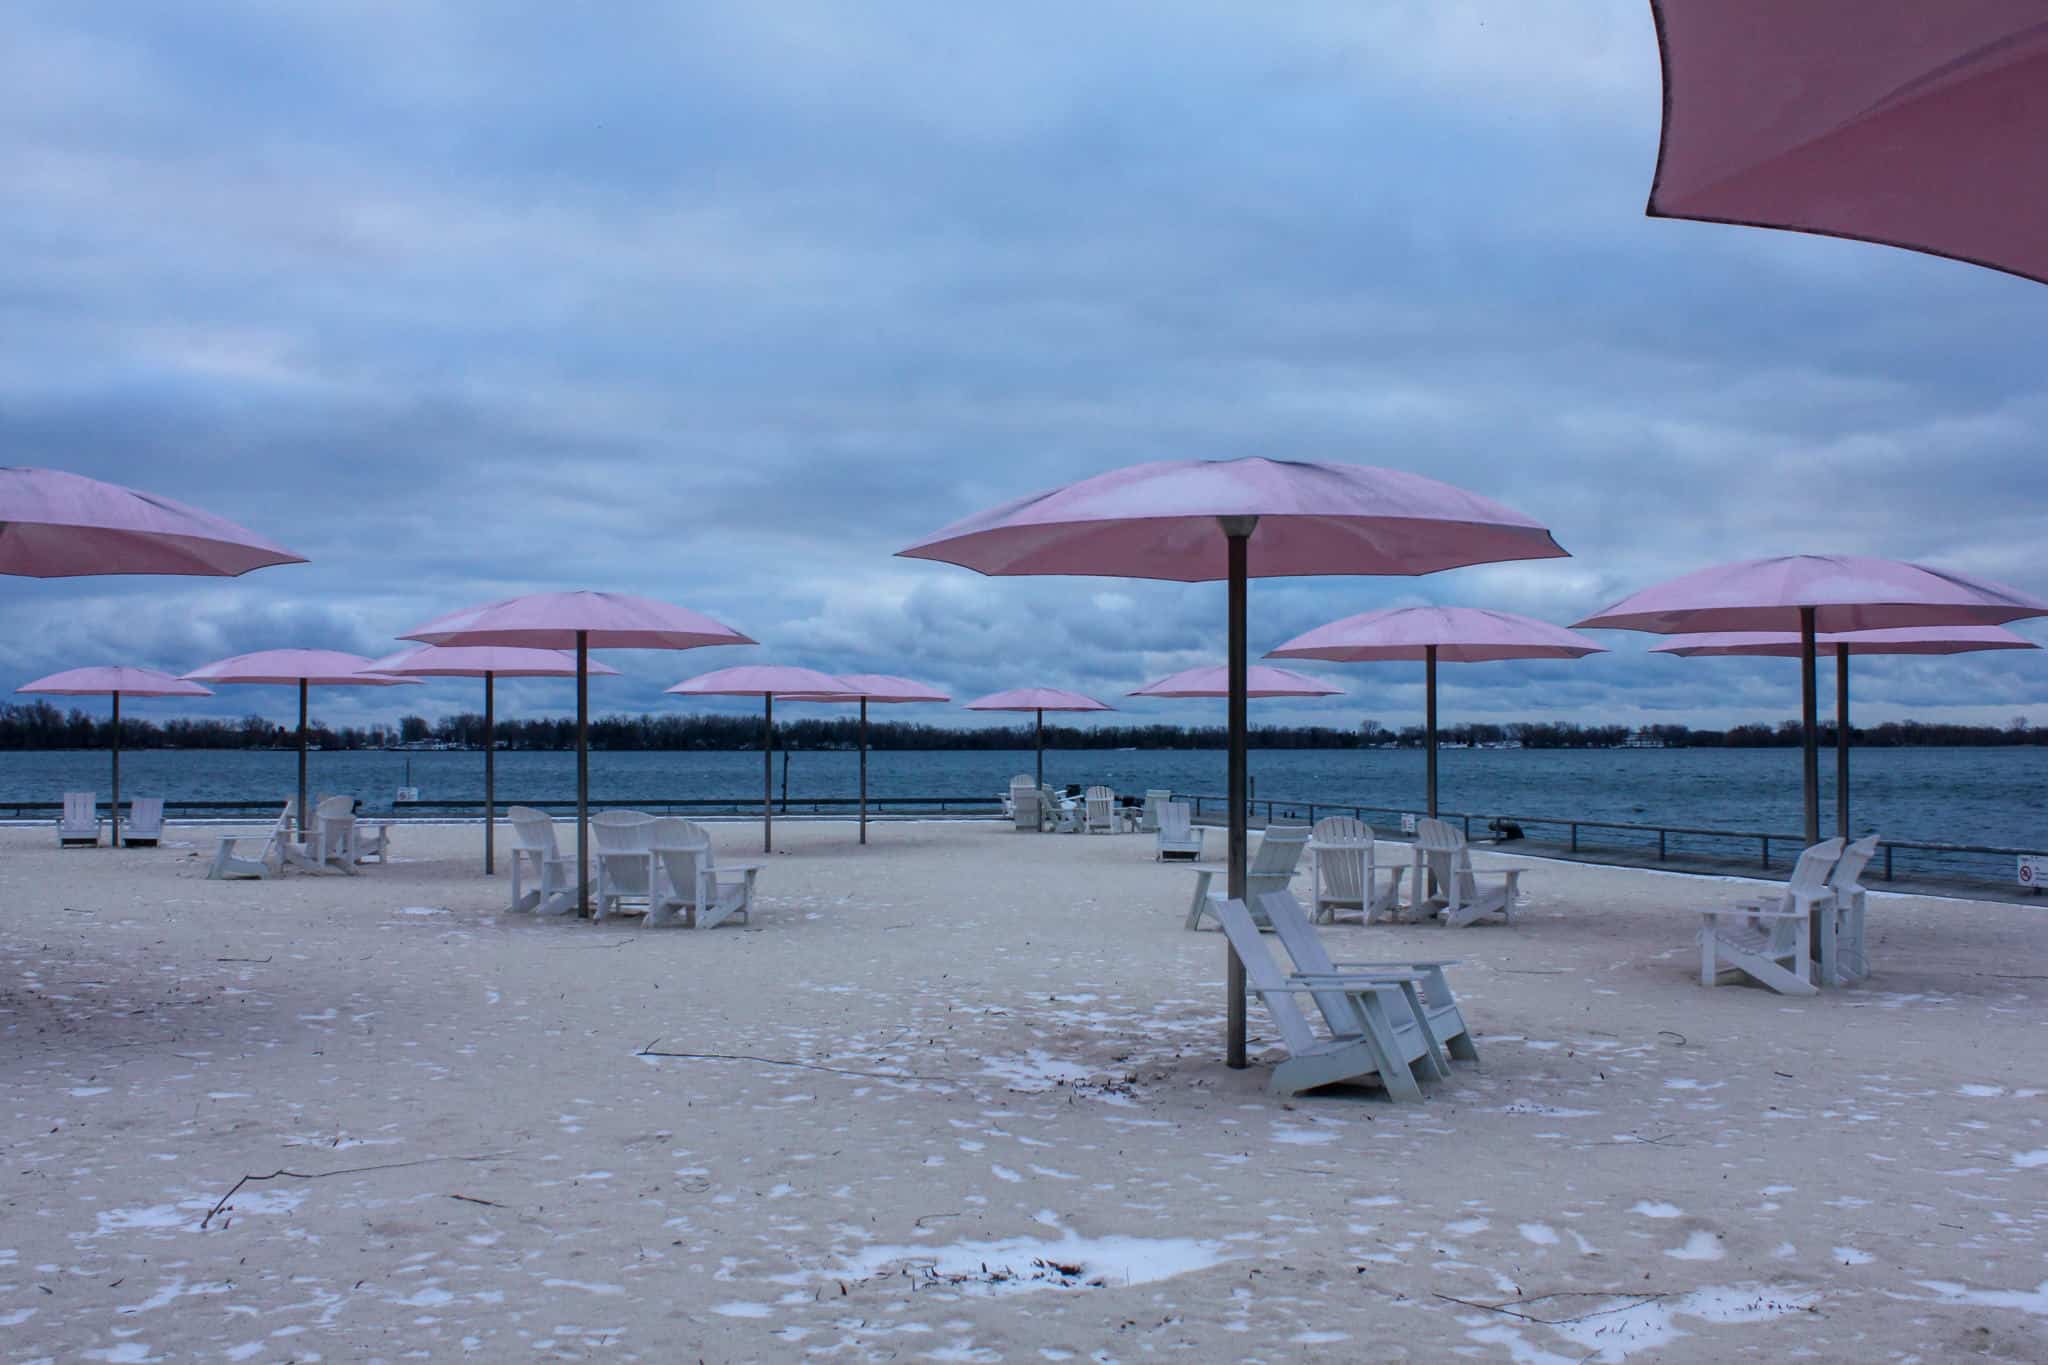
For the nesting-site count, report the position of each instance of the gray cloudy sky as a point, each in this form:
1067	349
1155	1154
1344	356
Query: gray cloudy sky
725	303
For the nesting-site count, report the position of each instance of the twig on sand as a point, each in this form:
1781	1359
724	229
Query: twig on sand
1636	1300
346	1170
650	1051
242	959
472	1199
1531	971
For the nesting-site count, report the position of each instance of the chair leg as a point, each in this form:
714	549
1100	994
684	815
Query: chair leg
1200	904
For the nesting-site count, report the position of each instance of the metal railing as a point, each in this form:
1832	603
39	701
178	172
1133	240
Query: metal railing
473	807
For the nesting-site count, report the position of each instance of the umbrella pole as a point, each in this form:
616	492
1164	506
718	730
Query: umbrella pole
117	770
490	774
863	770
583	773
767	772
1041	748
1429	721
302	761
1842	739
1237	532
1809	708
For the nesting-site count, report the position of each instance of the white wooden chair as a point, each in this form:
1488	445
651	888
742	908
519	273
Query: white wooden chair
1178	836
1442	857
1843	956
1377	1032
1100	811
543	880
1271	868
1344	876
79	825
330	844
144	826
1312	960
370	841
1771	941
269	862
624	842
1027	807
1148	818
697	889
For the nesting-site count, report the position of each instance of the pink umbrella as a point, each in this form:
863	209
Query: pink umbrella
879	687
581	621
489	662
59	525
766	681
1202	520
1464	635
1039	700
1811	595
1906	640
1917	125
305	668
112	681
1261	680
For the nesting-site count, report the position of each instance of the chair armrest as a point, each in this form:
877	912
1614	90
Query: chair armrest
1742	913
1214	869
738	867
1434	965
1392	976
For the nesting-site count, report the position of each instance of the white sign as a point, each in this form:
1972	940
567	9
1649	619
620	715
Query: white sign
408	794
1407	824
2033	870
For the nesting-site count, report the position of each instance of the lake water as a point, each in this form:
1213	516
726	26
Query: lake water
1980	796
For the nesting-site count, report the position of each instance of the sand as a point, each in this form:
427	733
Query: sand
965	1103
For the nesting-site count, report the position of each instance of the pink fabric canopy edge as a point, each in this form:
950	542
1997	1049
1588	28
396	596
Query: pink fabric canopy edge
1460	635
551	620
1848	593
104	680
876	687
1905	640
1261	680
1035	699
1159	520
764	680
55	524
320	667
473	661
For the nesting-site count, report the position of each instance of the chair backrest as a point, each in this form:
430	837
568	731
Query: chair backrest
1810	873
1296	934
1343	853
1148	819
1341	829
81	808
145	812
621	831
1848	872
1279	852
1100	798
335	808
1174	820
533	831
1264	975
684	848
1023	780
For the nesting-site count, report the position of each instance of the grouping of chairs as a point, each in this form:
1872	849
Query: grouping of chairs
335	841
660	867
1033	808
79	824
1815	921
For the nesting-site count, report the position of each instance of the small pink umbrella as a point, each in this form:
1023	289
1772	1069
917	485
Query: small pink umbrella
877	687
1812	595
1905	640
112	681
766	681
1464	635
1232	520
305	668
489	662
59	525
1038	700
1261	680
1917	125
579	621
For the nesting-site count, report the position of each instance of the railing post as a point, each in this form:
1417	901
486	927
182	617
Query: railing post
1767	849
1468	829
1660	845
1575	836
1887	862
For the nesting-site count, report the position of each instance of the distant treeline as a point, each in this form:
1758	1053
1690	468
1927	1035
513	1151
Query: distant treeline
39	725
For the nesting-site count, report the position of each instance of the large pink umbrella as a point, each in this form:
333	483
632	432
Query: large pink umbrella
766	681
1905	640
877	687
1037	700
489	662
580	621
301	667
1915	124
59	525
1204	520
1261	680
1433	635
112	681
1812	595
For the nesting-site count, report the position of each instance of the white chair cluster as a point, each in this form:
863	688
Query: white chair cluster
1815	919
658	866
336	840
79	824
1271	868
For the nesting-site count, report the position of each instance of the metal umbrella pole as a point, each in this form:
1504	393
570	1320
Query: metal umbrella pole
302	760
767	772
490	773
1429	721
863	769
1238	531
117	769
1842	739
1809	707
583	773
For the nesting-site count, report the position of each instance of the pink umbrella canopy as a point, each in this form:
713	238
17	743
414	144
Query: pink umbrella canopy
59	525
1913	124
1261	680
1843	592
877	687
114	681
1035	699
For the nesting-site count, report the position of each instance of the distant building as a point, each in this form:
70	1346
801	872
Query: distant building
1643	739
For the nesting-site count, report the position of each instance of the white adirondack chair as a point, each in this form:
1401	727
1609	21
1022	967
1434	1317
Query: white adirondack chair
1442	856
79	825
1771	941
145	823
1311	960
370	841
1843	957
267	863
330	843
543	880
1377	1032
1027	805
1178	836
1101	816
1343	875
697	889
1148	818
1271	869
625	860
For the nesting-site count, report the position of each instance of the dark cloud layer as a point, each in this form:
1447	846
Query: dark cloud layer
724	304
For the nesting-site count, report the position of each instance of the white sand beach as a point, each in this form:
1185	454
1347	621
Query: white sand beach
959	1096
